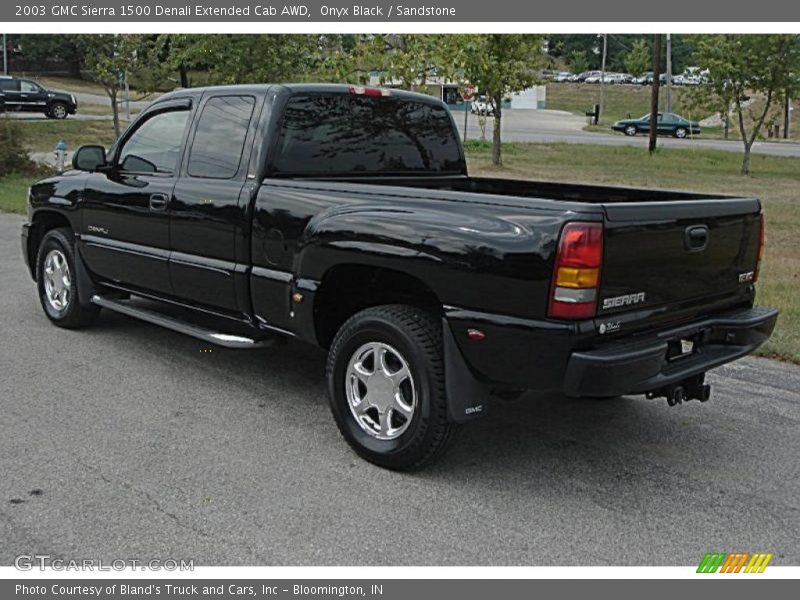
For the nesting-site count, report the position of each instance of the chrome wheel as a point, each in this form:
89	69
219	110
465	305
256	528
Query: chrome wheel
630	130
56	280
380	390
59	111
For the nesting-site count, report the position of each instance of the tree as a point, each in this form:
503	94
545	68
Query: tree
637	59
111	58
234	58
499	65
39	48
578	61
753	73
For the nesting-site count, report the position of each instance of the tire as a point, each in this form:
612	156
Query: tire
680	133
394	438
58	110
57	283
631	130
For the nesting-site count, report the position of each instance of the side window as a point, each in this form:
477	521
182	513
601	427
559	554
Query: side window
28	86
220	136
9	85
156	144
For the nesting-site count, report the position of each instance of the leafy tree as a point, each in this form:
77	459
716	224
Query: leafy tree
578	61
499	65
228	59
111	58
37	48
638	59
753	73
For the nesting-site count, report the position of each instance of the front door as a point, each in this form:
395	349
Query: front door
125	230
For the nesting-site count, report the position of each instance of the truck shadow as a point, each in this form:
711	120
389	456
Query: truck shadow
542	437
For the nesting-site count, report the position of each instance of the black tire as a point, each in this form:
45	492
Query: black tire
417	336
72	315
57	110
680	132
631	130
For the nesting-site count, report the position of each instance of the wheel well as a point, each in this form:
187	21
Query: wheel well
348	289
42	223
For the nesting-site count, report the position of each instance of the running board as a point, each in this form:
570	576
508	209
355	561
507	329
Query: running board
213	337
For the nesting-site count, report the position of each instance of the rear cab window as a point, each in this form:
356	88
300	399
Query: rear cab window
324	134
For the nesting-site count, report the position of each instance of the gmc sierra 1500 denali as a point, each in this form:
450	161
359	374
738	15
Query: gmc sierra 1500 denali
343	216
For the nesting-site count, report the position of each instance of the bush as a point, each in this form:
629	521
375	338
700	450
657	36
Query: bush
13	154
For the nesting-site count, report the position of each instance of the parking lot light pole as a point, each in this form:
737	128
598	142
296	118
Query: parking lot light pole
603	78
668	99
5	55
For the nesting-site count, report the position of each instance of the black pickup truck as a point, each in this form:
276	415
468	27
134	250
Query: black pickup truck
343	216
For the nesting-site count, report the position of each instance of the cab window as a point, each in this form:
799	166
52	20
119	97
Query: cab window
155	145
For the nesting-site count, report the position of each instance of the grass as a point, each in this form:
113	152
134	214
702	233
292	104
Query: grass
775	181
14	192
42	136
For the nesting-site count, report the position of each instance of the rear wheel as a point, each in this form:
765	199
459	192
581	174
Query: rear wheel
56	282
386	386
631	130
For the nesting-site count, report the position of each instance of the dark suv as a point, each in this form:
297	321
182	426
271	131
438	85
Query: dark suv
29	96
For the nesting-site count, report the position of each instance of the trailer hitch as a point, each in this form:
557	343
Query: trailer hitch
692	388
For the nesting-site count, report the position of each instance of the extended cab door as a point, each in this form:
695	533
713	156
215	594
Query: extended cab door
208	214
125	235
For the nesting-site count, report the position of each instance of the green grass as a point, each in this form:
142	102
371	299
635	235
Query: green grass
14	192
775	181
42	136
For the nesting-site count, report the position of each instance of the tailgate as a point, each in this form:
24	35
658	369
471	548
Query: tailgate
677	258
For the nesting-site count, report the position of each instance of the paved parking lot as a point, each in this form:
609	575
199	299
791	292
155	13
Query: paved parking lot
128	441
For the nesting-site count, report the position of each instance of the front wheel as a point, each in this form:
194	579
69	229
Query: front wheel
631	130
386	386
56	282
58	111
680	133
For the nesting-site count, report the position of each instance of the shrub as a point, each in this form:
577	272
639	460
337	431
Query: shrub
13	154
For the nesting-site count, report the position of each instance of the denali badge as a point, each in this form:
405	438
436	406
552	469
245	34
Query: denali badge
96	229
746	277
625	300
609	327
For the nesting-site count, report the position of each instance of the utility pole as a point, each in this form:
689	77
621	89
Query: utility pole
603	77
668	100
654	94
5	55
787	116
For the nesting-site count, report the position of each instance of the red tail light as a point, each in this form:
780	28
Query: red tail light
760	248
576	274
368	91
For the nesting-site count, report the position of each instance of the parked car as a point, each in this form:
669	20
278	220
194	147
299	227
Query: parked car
344	217
582	77
28	96
562	76
668	124
482	106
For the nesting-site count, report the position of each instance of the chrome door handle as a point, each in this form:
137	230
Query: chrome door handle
158	201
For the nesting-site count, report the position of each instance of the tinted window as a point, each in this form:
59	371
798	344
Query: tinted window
220	135
347	134
155	146
9	84
28	86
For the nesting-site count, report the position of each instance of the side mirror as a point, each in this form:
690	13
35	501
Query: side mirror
89	158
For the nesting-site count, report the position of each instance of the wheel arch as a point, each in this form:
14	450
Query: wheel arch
42	222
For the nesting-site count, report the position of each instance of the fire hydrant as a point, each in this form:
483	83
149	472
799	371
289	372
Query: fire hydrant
61	155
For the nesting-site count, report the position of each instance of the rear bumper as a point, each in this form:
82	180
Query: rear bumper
653	361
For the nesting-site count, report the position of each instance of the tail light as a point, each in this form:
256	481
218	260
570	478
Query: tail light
360	90
576	275
760	248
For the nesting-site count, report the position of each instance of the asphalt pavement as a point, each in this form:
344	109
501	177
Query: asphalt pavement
130	441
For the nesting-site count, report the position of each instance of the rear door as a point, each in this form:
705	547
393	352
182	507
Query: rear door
32	97
663	259
208	214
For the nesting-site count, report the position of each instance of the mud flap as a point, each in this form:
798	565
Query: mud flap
467	398
85	284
